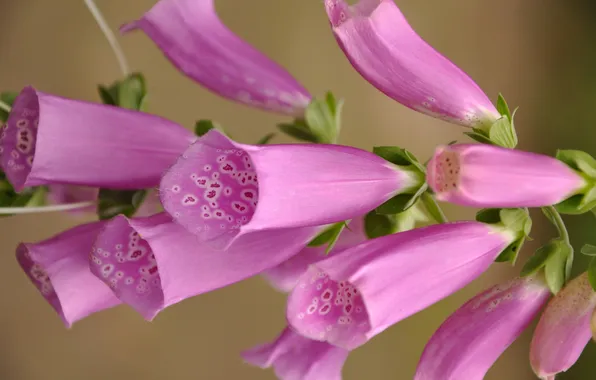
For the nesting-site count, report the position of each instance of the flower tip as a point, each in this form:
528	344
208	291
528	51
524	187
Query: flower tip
337	11
443	171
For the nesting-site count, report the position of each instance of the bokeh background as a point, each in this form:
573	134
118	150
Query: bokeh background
539	53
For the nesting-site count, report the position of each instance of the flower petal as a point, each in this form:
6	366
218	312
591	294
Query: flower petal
213	189
58	268
152	263
294	357
194	39
62	194
53	140
354	295
470	341
285	276
480	175
564	329
386	51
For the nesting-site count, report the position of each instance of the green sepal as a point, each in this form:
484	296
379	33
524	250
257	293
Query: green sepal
589	250
502	133
578	160
480	136
8	98
130	93
298	130
323	118
515	220
585	199
265	139
503	107
398	156
329	237
557	267
538	260
377	225
114	202
401	202
592	273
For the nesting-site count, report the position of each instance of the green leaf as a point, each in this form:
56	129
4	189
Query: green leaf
298	130
115	202
329	237
130	93
589	250
479	135
516	219
503	133
511	253
265	139
8	98
393	154
395	205
432	208
377	225
592	273
539	259
503	108
322	119
578	160
555	269
335	236
108	95
204	126
489	215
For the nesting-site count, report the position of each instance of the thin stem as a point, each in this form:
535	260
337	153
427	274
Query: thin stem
433	208
5	106
558	222
116	48
32	210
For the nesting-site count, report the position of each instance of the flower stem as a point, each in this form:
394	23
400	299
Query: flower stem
103	25
32	210
5	106
433	208
556	219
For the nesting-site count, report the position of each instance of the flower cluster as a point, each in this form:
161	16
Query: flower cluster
356	238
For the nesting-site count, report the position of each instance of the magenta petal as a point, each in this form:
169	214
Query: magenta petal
285	276
213	189
294	357
383	48
356	294
59	268
470	341
152	263
64	194
564	329
53	140
480	175
194	39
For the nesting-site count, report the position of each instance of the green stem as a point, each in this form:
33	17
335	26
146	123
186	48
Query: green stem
5	106
32	210
433	208
558	222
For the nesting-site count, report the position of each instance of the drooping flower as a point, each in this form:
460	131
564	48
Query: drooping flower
354	295
152	263
285	276
59	269
469	342
213	189
564	329
386	51
194	39
481	175
295	357
52	140
64	194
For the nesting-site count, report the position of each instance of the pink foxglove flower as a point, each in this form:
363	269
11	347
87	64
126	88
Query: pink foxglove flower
294	357
354	295
480	175
152	263
470	341
52	140
564	329
214	192
286	275
59	268
195	40
386	51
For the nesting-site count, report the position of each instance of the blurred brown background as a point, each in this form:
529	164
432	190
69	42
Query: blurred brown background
539	53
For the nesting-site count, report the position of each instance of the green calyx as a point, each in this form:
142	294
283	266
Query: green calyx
516	222
501	132
320	124
584	199
329	236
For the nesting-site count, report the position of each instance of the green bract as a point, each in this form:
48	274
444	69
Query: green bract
585	165
501	132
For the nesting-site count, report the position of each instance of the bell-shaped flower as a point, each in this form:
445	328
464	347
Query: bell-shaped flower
564	329
387	52
52	140
285	276
354	295
193	38
469	342
488	176
59	269
220	189
152	263
294	357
